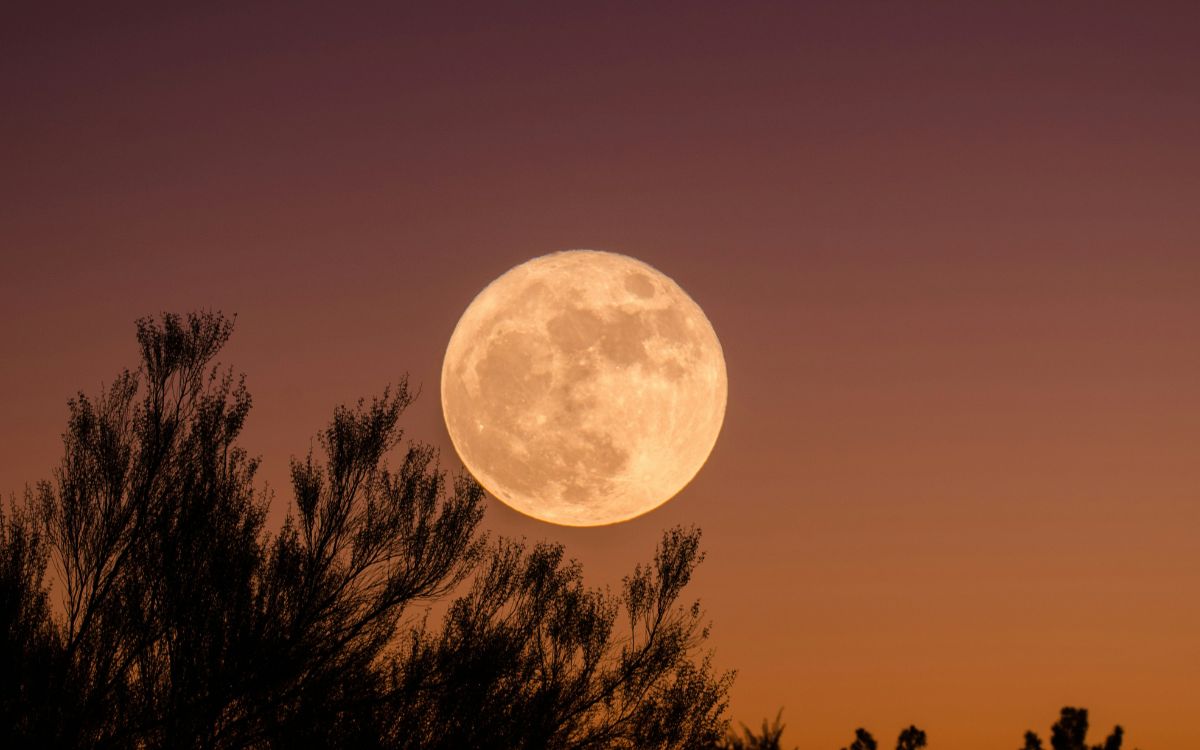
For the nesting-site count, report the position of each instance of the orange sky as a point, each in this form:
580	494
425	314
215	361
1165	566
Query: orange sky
953	256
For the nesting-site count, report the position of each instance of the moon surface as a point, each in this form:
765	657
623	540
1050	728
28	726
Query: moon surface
584	388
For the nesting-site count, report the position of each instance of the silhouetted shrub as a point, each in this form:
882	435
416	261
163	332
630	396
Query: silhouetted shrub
1070	733
769	739
184	623
911	739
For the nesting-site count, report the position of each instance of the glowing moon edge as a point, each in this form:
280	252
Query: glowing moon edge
584	388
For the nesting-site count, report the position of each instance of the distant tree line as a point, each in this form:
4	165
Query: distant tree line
1068	733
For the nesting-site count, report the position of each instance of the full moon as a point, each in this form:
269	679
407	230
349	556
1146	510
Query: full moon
583	388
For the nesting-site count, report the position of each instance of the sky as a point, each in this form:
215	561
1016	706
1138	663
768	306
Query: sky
951	250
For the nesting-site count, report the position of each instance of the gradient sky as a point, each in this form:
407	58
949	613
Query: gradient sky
952	253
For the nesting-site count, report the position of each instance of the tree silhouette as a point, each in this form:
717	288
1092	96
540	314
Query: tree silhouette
911	739
27	649
181	621
862	741
1070	733
769	739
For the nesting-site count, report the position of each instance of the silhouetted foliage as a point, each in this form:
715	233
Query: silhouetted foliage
184	623
769	739
1070	733
862	741
27	648
911	739
562	666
